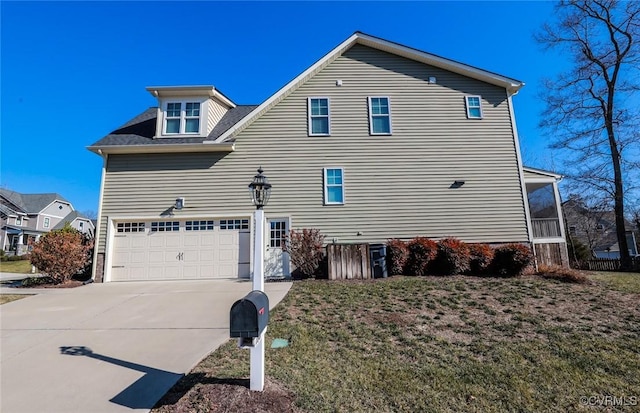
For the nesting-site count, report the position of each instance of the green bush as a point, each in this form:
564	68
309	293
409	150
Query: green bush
511	259
452	257
35	281
17	258
421	251
397	256
481	256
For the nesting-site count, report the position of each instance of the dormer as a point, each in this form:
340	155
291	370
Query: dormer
188	111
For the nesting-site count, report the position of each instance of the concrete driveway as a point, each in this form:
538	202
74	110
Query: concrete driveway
111	347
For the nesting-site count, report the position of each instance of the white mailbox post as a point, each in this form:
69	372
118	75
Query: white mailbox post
260	191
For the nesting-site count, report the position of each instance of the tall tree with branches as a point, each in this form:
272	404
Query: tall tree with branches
592	108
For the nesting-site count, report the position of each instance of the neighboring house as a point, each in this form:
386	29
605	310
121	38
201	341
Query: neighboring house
596	229
25	217
374	141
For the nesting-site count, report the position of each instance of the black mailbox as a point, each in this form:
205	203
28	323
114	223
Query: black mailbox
249	315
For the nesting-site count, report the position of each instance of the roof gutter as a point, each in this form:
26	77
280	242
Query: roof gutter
162	148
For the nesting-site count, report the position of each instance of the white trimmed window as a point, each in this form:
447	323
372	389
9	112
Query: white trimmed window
130	227
334	186
474	107
19	221
319	120
47	222
182	118
234	224
165	226
199	226
379	115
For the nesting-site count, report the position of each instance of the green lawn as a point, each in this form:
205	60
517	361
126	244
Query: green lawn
19	267
7	298
628	282
450	344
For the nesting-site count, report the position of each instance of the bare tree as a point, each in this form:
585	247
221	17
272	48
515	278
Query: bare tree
591	109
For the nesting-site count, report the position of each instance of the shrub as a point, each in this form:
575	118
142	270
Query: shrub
481	256
397	256
305	248
34	281
17	258
61	253
511	259
452	257
556	272
421	251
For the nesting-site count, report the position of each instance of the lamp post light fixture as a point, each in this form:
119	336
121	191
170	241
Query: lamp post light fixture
260	191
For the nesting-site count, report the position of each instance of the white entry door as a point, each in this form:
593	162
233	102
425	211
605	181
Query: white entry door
276	261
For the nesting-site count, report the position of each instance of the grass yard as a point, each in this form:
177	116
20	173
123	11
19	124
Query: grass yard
19	267
7	298
450	344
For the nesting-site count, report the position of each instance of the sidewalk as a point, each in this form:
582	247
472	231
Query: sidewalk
8	276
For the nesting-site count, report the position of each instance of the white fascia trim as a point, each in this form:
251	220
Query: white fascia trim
289	87
189	91
512	85
523	186
542	172
206	146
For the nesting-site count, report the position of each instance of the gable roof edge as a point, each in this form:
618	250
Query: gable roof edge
287	89
511	85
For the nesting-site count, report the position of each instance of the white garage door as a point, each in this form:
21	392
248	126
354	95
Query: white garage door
181	250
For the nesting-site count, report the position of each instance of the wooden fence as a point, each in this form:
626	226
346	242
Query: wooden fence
348	261
608	264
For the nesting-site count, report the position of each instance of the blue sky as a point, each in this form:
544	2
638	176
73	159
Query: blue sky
71	72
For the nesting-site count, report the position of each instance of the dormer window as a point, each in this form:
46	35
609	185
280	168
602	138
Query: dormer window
182	118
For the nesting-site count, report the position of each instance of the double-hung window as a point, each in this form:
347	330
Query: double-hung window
319	123
474	107
333	186
182	118
379	115
47	222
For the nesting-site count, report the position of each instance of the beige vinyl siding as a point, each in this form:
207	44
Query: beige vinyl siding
216	112
395	186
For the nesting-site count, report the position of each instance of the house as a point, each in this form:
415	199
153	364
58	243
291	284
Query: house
595	227
375	140
25	217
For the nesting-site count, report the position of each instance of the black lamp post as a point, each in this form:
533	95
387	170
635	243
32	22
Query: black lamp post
260	190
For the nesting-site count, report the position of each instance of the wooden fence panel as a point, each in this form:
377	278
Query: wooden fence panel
348	261
609	264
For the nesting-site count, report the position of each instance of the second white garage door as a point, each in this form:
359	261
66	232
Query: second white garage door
181	250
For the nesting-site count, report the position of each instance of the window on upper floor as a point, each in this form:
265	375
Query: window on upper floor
333	186
19	221
379	115
319	122
47	222
81	225
474	107
182	118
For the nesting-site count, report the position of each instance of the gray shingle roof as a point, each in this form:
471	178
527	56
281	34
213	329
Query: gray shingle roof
69	218
141	129
31	203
